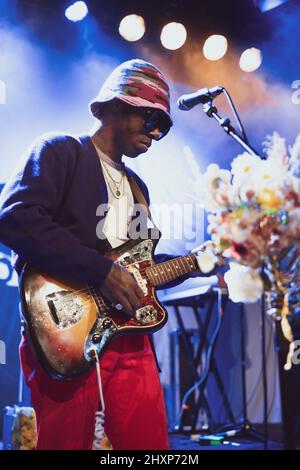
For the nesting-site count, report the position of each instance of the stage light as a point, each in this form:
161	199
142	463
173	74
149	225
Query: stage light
215	47
132	27
266	5
2	92
250	59
77	11
173	36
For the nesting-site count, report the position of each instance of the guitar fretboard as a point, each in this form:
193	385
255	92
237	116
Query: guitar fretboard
170	270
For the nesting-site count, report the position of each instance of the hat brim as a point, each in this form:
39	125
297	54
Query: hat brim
96	105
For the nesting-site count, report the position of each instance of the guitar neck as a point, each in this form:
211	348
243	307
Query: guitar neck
168	271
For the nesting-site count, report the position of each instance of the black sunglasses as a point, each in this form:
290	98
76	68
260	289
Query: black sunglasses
155	119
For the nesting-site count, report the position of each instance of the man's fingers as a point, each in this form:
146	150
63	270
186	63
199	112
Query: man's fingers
133	299
121	288
127	307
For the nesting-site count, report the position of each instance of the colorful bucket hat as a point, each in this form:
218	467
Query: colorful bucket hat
138	83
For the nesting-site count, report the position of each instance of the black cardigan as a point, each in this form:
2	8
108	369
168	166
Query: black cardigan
48	210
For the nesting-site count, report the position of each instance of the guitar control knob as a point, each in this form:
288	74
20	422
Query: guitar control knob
107	322
96	338
92	354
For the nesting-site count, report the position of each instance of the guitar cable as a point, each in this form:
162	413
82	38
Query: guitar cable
101	441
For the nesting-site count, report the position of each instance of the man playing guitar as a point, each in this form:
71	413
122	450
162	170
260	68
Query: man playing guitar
50	218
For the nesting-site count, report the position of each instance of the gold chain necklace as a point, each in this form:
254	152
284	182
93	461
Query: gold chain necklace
116	193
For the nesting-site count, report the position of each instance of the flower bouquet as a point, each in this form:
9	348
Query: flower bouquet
254	221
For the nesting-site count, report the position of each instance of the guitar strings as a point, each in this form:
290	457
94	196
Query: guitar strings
88	290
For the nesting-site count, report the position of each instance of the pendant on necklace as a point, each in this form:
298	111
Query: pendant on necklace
118	194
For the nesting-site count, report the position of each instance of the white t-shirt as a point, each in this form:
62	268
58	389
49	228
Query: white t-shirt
120	210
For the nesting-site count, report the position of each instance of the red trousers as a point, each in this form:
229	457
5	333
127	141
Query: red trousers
135	415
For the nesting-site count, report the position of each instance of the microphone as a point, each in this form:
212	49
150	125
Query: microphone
187	102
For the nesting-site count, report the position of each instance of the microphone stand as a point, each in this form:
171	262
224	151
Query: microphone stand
212	112
245	429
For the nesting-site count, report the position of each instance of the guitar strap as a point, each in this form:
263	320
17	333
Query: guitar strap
139	196
137	192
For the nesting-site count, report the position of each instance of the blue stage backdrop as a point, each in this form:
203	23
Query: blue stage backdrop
9	331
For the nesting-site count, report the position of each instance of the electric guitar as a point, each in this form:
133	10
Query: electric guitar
67	323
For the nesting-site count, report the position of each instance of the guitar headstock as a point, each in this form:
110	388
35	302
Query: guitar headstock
208	257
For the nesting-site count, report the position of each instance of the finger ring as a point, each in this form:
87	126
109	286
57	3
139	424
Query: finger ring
119	306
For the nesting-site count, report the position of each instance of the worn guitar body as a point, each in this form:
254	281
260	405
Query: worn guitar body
66	321
69	323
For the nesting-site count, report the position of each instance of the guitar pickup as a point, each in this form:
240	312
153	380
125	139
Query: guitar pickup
53	311
142	283
65	307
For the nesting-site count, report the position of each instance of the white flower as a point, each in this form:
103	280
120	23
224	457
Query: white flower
274	172
215	188
244	284
295	160
275	147
244	168
251	173
270	175
295	149
213	171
